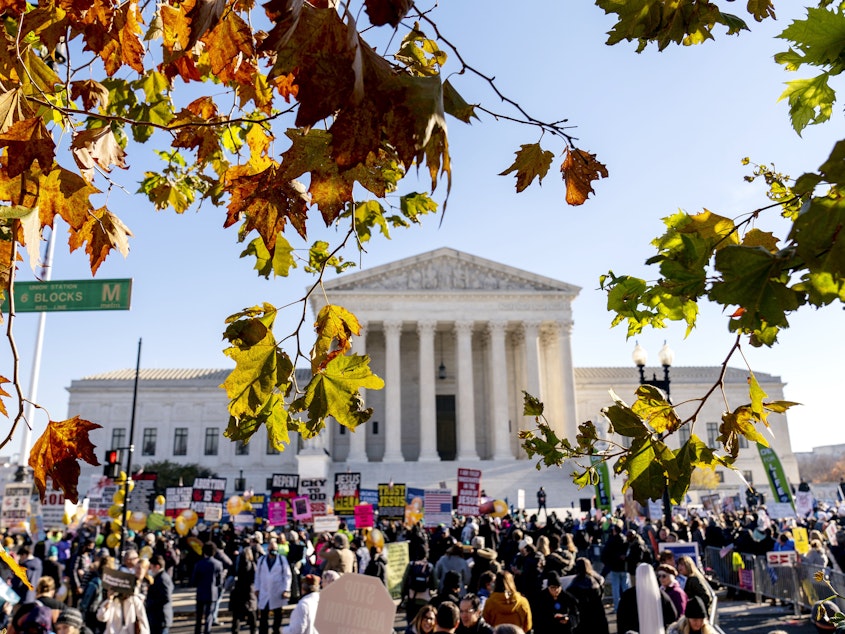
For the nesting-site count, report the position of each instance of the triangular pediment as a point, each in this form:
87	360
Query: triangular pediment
447	270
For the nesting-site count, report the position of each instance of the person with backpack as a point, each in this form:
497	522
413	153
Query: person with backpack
93	595
417	585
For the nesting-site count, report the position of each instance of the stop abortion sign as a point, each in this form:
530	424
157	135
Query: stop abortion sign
355	604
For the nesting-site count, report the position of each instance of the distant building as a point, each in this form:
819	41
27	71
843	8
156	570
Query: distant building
457	338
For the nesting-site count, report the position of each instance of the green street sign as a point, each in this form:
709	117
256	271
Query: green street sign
42	297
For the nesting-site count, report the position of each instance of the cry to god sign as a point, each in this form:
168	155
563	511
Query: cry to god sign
355	604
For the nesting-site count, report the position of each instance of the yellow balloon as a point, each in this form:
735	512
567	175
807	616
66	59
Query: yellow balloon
117	498
120	478
247	507
137	521
146	553
375	538
181	526
235	505
500	508
113	540
190	517
115	511
160	500
66	519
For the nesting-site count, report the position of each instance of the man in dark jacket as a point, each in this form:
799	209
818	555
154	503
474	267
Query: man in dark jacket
33	568
471	620
159	602
613	557
207	578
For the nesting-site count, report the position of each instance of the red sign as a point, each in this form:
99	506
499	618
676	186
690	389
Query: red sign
469	488
781	558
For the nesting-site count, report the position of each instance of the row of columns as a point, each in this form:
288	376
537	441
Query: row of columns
562	378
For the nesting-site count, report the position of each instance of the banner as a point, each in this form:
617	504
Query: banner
364	516
469	488
284	486
777	478
208	493
604	497
391	501
437	507
347	493
144	492
315	489
301	508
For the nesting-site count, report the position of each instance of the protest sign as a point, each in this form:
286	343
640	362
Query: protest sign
355	604
315	489
347	488
469	488
118	581
391	501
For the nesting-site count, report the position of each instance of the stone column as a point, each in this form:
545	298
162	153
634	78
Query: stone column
530	336
465	392
393	393
428	404
569	426
499	386
358	438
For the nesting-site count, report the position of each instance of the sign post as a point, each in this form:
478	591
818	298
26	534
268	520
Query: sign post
40	297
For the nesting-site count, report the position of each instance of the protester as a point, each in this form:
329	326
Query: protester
338	557
124	614
423	622
272	584
506	604
645	606
159	601
448	617
588	589
471	620
667	577
696	585
556	611
304	615
69	621
243	600
207	577
694	620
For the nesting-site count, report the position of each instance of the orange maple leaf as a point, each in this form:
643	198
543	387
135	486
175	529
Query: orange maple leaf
20	571
56	452
28	141
92	93
580	168
3	392
101	234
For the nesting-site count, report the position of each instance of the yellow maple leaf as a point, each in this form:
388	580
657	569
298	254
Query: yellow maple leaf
13	565
56	452
102	233
580	168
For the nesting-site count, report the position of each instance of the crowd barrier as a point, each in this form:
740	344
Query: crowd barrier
791	583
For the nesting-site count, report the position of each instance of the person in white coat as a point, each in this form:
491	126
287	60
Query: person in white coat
305	613
272	585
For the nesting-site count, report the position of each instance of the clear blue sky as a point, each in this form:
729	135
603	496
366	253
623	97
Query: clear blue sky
671	127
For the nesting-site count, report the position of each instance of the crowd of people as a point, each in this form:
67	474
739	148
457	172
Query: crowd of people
480	575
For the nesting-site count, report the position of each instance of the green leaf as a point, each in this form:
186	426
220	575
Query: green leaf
624	420
693	453
819	237
740	422
279	264
415	205
368	215
648	464
761	9
810	101
757	398
754	279
334	392
455	105
820	37
531	405
531	162
652	407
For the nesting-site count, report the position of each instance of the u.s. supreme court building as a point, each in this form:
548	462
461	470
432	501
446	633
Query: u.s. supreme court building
457	339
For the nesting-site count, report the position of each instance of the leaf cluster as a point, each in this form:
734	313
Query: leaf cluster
262	388
645	460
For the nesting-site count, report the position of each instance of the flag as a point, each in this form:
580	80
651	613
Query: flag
777	478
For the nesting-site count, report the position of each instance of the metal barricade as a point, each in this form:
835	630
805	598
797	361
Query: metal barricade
795	584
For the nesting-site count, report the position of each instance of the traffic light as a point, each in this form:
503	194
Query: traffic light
112	467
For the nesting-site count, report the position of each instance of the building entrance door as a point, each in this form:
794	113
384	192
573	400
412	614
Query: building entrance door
447	441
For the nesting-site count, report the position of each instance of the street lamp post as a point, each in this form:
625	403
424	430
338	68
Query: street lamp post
666	356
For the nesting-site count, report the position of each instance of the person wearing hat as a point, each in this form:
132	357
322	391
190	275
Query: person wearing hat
694	620
305	613
556	611
667	577
69	621
338	557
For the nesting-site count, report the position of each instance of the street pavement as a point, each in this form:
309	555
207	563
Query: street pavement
735	617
